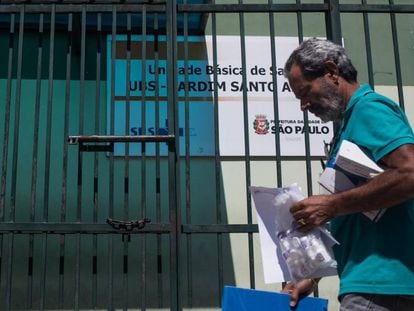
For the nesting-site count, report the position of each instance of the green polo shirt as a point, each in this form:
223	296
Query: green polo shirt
375	257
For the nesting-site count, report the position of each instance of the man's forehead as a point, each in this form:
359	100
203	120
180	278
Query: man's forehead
296	72
296	79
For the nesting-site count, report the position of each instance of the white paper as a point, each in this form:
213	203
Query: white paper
335	181
350	159
274	268
353	160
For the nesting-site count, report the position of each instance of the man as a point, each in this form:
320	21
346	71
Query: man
375	259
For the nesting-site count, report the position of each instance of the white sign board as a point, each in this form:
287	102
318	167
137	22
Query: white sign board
250	93
256	94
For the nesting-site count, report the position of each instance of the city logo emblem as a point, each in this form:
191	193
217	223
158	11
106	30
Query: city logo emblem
261	125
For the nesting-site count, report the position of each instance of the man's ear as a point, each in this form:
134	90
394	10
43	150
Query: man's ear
332	70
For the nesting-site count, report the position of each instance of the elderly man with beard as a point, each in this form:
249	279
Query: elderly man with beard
375	259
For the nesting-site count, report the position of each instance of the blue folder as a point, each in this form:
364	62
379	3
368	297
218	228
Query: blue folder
242	299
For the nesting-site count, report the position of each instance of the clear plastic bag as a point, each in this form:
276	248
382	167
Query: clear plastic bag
304	254
307	255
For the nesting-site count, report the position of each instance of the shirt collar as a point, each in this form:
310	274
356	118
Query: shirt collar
362	91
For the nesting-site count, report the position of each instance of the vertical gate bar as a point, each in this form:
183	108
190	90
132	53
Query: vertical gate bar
305	117
368	47
96	160
279	181
143	152
157	164
16	126
35	159
49	115
173	155
12	213
110	295
80	155
246	146
65	162
5	158
47	157
6	128
6	124
9	276
333	33
43	272
397	57
333	22
306	125
276	117
187	162
126	168
218	201
275	97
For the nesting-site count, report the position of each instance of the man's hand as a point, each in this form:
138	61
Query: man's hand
313	211
395	185
299	290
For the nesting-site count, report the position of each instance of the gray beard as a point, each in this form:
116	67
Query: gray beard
333	112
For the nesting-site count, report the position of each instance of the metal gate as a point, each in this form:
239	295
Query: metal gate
93	216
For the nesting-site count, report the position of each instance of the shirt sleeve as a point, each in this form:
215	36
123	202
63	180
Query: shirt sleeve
380	127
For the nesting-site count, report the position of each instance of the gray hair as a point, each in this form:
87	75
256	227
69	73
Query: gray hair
312	54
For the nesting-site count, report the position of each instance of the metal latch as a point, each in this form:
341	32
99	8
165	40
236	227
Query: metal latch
128	225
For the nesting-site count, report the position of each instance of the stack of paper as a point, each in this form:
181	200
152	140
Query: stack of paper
353	160
352	167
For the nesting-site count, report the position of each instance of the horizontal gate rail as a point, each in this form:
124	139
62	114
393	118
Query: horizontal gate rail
209	8
119	139
376	8
68	2
74	228
286	8
78	8
254	8
219	228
